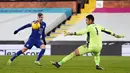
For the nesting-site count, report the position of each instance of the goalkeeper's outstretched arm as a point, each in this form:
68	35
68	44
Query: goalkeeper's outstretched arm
111	33
80	32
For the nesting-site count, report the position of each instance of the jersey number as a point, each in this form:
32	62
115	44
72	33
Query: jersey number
96	30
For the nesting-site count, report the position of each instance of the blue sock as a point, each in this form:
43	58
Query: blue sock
40	54
16	54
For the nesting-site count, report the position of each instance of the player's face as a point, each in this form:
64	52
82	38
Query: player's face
88	21
40	18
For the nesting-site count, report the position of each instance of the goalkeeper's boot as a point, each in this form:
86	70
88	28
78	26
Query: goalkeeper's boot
38	63
9	62
55	64
98	67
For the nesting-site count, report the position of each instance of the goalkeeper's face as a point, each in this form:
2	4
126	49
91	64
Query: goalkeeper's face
40	18
88	21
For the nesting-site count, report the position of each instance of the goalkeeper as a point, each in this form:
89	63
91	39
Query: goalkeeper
93	44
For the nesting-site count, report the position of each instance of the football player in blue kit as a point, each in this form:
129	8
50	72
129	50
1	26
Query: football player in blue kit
33	40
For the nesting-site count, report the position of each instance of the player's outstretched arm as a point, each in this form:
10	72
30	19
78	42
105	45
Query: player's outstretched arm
21	28
111	33
80	32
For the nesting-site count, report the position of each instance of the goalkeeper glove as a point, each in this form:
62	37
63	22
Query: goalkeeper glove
68	33
119	36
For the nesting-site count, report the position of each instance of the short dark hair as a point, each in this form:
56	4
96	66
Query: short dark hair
39	14
90	17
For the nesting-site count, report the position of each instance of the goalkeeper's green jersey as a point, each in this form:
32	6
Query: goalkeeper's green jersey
94	34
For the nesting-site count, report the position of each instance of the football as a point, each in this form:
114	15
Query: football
35	25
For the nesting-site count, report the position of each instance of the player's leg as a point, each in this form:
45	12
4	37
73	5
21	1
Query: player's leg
40	45
19	53
41	52
97	60
16	55
79	51
27	46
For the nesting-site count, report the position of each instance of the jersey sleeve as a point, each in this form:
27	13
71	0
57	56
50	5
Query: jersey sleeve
81	32
43	35
106	31
25	26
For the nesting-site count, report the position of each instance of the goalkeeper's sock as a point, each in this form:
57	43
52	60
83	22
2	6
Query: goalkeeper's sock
67	58
97	60
16	54
40	54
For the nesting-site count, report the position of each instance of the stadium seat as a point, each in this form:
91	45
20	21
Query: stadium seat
52	16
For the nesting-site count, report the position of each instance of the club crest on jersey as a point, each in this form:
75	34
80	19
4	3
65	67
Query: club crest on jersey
27	45
43	26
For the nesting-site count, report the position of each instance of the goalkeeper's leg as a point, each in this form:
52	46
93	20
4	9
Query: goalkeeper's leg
79	51
97	60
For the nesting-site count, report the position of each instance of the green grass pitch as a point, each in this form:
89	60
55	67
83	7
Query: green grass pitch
81	64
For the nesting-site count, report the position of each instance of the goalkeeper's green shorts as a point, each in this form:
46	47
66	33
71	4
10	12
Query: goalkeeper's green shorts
95	50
